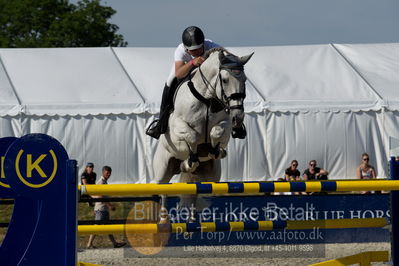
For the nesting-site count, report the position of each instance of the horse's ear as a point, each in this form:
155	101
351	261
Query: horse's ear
245	59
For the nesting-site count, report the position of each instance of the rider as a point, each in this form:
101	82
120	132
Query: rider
188	56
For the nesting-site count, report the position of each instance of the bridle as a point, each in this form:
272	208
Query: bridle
237	71
214	103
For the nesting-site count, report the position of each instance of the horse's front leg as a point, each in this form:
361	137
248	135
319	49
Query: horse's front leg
165	166
191	138
219	135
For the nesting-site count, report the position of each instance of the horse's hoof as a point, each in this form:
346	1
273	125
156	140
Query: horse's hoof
223	153
211	156
214	155
193	167
219	155
185	166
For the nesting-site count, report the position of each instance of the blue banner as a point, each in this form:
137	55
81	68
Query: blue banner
283	207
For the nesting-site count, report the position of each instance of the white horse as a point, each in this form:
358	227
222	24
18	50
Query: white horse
207	107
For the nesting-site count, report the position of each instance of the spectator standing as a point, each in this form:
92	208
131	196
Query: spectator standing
88	176
314	172
101	209
292	173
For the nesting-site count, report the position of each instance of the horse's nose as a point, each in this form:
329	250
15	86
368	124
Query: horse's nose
237	120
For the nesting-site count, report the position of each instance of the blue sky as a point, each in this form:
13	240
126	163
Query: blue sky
159	23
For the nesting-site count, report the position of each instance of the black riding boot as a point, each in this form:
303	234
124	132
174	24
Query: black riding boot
158	127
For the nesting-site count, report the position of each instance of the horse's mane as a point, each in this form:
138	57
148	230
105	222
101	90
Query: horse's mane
216	49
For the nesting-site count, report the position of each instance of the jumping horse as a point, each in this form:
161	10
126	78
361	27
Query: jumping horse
208	107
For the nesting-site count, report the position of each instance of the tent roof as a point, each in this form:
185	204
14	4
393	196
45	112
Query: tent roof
378	65
83	81
70	81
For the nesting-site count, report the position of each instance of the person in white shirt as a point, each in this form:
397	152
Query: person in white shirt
101	209
188	56
366	171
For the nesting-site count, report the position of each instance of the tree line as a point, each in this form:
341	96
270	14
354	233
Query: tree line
57	23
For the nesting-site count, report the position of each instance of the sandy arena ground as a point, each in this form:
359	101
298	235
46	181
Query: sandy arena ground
117	257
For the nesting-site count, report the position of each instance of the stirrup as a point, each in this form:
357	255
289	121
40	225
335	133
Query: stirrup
154	129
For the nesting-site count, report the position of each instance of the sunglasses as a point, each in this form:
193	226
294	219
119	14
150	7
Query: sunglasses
294	164
365	159
312	164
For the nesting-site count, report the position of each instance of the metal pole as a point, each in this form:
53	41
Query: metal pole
394	168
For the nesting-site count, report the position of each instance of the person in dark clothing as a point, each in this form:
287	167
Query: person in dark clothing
314	172
88	176
292	173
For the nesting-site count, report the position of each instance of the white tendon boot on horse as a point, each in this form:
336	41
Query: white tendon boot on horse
219	136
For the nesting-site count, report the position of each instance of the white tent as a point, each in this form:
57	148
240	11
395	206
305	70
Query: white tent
325	102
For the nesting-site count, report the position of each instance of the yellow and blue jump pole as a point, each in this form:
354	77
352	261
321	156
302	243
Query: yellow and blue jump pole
238	187
231	226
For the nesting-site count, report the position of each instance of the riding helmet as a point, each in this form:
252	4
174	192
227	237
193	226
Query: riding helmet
193	38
